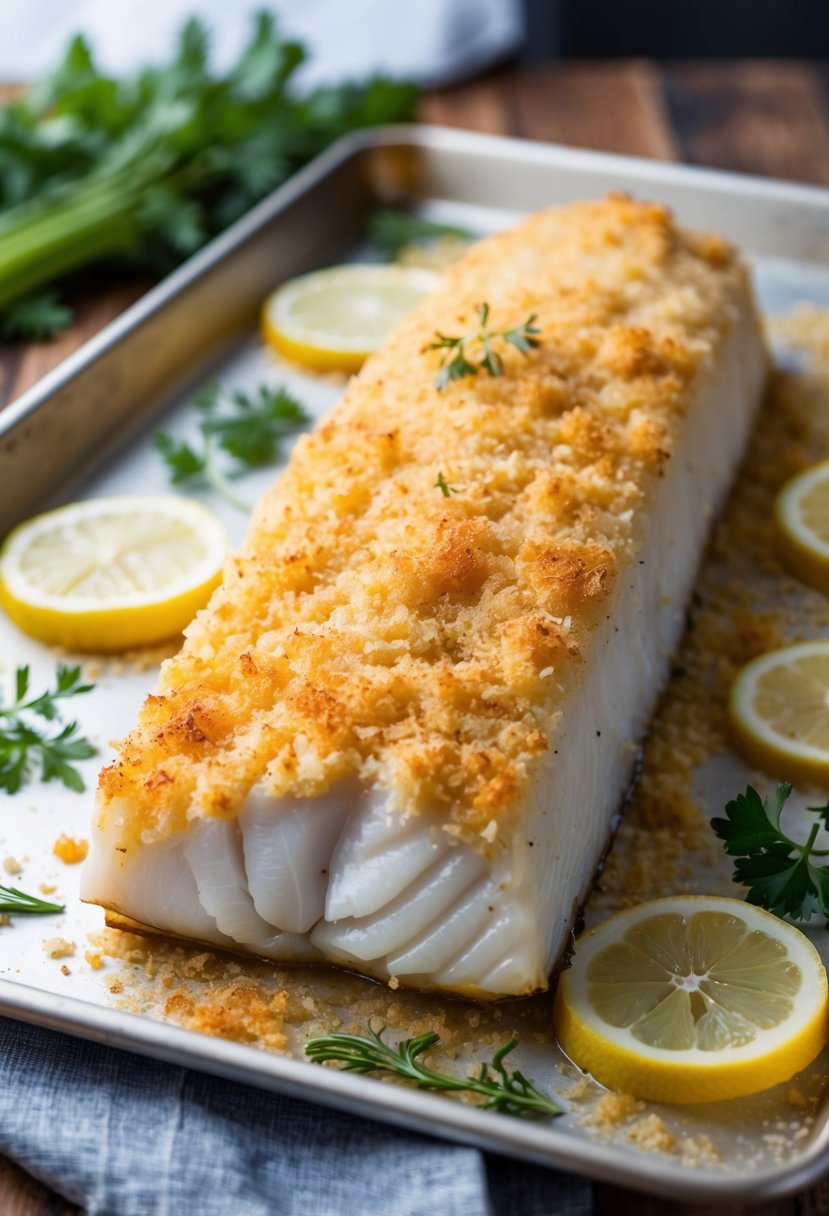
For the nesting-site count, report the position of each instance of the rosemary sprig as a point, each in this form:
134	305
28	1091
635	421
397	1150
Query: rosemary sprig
455	364
14	900
248	428
22	742
510	1093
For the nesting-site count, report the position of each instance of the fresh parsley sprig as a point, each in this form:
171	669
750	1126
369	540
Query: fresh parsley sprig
392	231
14	900
508	1092
455	364
23	743
782	874
139	171
248	428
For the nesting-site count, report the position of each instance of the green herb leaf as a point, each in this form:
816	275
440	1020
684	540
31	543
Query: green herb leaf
442	485
14	900
249	428
23	744
781	874
393	231
508	1092
455	364
139	171
37	318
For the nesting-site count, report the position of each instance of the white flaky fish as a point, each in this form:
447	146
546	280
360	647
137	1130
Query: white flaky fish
398	736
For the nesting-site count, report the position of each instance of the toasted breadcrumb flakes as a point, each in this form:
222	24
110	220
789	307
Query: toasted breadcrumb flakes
94	959
47	888
467	600
69	850
65	970
58	947
613	1109
651	1134
12	866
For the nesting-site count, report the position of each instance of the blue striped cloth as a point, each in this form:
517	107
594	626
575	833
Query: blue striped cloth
124	1136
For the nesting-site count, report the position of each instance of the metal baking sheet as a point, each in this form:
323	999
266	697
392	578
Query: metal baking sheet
86	429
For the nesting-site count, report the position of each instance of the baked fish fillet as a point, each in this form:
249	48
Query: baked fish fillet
398	735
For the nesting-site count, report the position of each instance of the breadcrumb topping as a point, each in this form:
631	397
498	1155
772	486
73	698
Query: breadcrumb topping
372	625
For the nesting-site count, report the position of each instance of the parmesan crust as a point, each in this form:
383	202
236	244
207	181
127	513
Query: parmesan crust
371	625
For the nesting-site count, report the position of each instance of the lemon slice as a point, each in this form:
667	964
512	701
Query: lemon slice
692	999
333	319
801	518
111	573
779	712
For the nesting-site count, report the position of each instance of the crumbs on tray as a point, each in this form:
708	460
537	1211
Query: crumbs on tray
69	850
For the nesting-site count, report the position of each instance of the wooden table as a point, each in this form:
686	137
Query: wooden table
770	118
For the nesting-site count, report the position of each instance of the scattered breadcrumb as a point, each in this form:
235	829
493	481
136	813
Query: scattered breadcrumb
70	850
5	919
582	1091
12	866
94	959
65	970
613	1109
58	947
651	1134
47	888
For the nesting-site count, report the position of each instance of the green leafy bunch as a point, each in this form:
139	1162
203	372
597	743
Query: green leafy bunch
143	170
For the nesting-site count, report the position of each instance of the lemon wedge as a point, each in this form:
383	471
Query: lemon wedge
333	319
778	709
692	999
111	573
801	519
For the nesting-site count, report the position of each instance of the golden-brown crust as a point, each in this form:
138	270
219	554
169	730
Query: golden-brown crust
372	625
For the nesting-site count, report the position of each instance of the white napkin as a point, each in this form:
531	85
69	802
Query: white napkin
431	41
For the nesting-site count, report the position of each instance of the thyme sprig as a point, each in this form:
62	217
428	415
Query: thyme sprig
455	364
23	742
510	1093
14	900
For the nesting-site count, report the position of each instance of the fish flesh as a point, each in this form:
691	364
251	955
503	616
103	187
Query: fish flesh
397	737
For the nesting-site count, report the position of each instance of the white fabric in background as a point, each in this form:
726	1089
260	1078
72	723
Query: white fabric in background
430	41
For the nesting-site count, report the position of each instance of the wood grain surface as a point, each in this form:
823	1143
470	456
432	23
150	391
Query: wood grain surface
769	117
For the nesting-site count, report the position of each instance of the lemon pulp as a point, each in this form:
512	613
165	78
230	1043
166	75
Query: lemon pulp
693	999
801	517
333	319
111	573
779	712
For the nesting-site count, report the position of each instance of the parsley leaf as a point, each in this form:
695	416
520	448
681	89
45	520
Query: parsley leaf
140	171
36	318
23	743
781	874
393	231
249	428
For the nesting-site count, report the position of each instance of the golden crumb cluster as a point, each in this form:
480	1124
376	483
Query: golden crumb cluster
372	624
